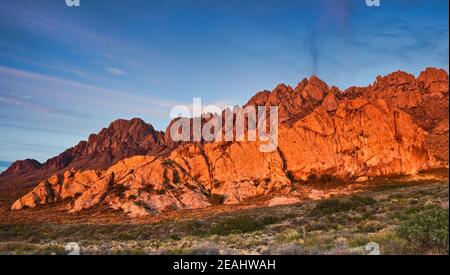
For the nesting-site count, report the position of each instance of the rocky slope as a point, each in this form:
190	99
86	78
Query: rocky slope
395	126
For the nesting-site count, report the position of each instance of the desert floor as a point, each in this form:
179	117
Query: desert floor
402	215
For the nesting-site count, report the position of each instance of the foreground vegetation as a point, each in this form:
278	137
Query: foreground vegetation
400	218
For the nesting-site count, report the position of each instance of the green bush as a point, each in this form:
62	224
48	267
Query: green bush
332	206
427	229
362	201
271	220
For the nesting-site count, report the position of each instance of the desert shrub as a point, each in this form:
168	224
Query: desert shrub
216	199
329	207
127	251
125	236
16	248
427	229
51	250
290	235
230	225
194	227
387	186
287	249
390	243
405	214
370	226
318	225
362	201
239	224
443	172
205	249
267	220
174	237
332	206
176	251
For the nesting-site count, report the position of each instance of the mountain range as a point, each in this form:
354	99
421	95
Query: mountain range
397	125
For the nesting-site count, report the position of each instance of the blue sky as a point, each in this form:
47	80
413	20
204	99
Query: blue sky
68	72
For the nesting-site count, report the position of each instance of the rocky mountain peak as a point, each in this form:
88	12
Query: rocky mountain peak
434	80
21	167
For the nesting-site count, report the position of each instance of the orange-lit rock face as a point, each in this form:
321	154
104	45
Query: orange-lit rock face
435	81
398	125
360	138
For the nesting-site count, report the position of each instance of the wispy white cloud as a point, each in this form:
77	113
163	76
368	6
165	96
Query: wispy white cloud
155	81
47	65
40	129
124	60
115	71
26	102
78	37
51	81
30	17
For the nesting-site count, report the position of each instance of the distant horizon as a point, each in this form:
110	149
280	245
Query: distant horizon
68	72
